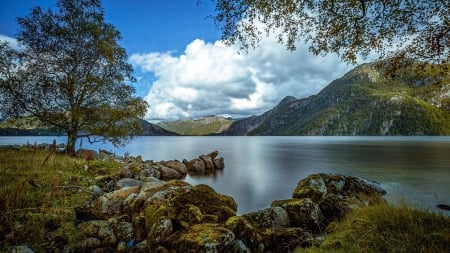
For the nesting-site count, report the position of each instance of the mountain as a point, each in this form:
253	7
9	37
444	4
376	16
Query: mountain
149	129
210	125
362	102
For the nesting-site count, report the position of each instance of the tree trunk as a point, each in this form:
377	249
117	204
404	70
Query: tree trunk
71	140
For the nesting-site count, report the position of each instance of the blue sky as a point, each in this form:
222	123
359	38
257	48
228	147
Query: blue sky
185	71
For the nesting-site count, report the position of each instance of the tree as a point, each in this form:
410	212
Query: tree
71	74
416	30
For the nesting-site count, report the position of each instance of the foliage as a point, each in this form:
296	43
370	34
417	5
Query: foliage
39	190
403	29
387	228
71	74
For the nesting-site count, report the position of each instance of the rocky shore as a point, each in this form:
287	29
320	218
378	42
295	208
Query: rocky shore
147	207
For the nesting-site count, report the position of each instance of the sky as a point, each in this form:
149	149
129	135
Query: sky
182	68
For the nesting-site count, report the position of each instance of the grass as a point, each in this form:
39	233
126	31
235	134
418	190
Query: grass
38	192
387	228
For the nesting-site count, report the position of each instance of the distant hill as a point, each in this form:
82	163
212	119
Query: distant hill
150	129
210	125
362	102
30	127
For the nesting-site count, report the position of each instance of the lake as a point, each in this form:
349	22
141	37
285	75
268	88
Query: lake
259	170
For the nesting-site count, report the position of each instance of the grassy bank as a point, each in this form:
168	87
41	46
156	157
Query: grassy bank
387	228
38	192
40	189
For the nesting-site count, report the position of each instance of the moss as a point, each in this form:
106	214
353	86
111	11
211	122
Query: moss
202	238
208	201
153	214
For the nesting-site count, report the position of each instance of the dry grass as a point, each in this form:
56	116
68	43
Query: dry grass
38	192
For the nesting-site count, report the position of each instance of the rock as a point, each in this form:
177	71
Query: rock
269	218
201	238
335	194
288	239
99	229
208	202
169	173
190	215
149	186
124	231
209	165
127	182
302	213
122	247
160	230
96	190
213	154
21	249
110	204
245	231
219	164
177	165
196	166
86	245
443	207
312	187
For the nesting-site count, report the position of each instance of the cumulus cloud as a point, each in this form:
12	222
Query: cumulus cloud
11	41
213	79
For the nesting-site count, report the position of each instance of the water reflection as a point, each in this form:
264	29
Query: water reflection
259	170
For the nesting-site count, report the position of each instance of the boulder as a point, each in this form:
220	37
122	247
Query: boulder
334	194
213	154
219	163
245	231
99	229
207	201
201	238
160	230
110	204
127	182
168	173
209	165
269	218
196	166
177	165
303	213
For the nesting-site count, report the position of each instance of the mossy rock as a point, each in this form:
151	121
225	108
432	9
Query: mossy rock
201	238
304	213
153	214
288	239
312	187
274	217
207	201
190	215
244	231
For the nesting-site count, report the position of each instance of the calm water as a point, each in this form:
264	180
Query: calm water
259	170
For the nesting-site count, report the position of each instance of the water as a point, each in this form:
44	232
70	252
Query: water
259	170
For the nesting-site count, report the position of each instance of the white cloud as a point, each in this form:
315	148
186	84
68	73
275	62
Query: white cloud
11	41
211	78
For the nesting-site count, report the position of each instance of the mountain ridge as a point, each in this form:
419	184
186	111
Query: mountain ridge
362	102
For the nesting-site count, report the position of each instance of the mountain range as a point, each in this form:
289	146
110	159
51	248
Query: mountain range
367	100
